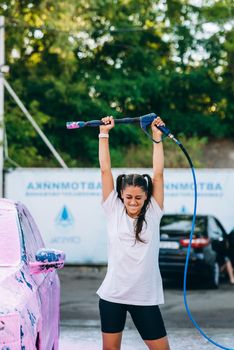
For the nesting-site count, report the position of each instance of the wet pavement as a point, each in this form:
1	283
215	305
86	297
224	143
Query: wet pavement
89	338
213	310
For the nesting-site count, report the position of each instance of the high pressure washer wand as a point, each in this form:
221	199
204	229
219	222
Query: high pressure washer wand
144	120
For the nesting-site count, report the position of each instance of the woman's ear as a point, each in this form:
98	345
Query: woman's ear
121	194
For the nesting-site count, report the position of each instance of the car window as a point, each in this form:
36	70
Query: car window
10	250
32	239
215	231
175	223
34	229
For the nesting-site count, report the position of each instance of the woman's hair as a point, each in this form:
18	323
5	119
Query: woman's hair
145	183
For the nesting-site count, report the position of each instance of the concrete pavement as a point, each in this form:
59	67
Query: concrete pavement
213	310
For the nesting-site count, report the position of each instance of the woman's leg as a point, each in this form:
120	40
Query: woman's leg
113	317
223	267
230	271
149	323
158	344
111	341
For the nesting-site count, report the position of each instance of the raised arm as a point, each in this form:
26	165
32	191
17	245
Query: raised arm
104	157
158	163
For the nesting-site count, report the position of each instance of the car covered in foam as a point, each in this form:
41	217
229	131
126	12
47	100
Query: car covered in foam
29	283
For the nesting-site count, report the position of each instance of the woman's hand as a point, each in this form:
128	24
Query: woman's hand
109	124
157	122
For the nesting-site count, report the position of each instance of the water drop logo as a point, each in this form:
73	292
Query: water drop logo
183	209
64	217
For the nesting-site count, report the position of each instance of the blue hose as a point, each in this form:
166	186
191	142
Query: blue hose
189	249
190	237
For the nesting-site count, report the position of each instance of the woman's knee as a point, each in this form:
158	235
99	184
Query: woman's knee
111	346
158	344
111	341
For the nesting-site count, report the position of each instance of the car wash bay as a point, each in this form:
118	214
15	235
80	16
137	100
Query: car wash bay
80	328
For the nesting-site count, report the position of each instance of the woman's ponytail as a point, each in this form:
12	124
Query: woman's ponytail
120	184
149	186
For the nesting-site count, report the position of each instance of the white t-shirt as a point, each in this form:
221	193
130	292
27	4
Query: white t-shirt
133	275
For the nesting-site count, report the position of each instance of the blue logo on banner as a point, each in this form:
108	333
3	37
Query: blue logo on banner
64	218
183	209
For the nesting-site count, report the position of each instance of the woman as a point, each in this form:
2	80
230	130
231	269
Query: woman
133	282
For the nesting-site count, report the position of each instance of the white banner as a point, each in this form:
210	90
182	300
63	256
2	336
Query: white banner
66	204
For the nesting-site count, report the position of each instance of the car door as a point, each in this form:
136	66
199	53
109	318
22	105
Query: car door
33	242
216	234
230	239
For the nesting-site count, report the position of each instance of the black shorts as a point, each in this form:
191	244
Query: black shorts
147	319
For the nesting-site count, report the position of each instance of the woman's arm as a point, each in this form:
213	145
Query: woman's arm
158	163
104	157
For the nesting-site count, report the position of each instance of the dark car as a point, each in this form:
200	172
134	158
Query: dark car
207	245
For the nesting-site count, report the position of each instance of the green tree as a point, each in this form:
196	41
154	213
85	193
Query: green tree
80	60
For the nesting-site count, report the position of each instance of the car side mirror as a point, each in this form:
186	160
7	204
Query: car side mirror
47	260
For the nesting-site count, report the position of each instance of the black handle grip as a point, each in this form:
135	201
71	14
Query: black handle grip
95	123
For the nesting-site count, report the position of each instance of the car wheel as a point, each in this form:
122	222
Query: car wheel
214	276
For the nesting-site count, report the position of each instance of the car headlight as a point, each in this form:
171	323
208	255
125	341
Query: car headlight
9	328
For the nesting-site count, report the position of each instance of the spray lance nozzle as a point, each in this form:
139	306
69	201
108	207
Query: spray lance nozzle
147	119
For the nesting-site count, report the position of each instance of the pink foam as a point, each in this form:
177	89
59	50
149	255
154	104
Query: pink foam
10	240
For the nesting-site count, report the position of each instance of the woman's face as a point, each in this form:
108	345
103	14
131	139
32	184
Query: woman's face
134	198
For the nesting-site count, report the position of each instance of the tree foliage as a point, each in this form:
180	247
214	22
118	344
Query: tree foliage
81	60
